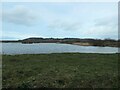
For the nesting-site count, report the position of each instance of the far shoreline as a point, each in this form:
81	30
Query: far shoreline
73	41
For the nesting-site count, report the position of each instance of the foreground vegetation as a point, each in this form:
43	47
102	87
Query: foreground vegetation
65	70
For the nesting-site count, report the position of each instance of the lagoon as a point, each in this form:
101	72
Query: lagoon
42	48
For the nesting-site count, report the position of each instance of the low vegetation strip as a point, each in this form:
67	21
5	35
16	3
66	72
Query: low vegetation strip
65	70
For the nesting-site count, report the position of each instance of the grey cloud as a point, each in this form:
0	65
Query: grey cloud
111	22
21	15
65	25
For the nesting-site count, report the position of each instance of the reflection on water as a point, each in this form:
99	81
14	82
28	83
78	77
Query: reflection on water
19	48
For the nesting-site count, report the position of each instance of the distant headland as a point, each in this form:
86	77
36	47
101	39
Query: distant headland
75	41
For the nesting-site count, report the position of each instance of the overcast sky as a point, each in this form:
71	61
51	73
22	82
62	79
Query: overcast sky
60	20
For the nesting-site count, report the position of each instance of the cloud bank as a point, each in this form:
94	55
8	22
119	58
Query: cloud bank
19	15
104	27
65	25
81	20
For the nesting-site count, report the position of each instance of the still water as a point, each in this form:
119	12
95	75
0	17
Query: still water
19	48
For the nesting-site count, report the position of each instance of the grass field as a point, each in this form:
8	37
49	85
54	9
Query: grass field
65	70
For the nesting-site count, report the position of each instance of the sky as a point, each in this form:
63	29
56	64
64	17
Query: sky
98	20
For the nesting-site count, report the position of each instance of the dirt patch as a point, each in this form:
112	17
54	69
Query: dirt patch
82	44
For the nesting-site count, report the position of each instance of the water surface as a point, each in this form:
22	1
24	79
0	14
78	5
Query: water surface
38	48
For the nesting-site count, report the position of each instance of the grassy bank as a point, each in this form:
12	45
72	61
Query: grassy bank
73	70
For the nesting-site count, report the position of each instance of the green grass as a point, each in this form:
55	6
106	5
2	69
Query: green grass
65	70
